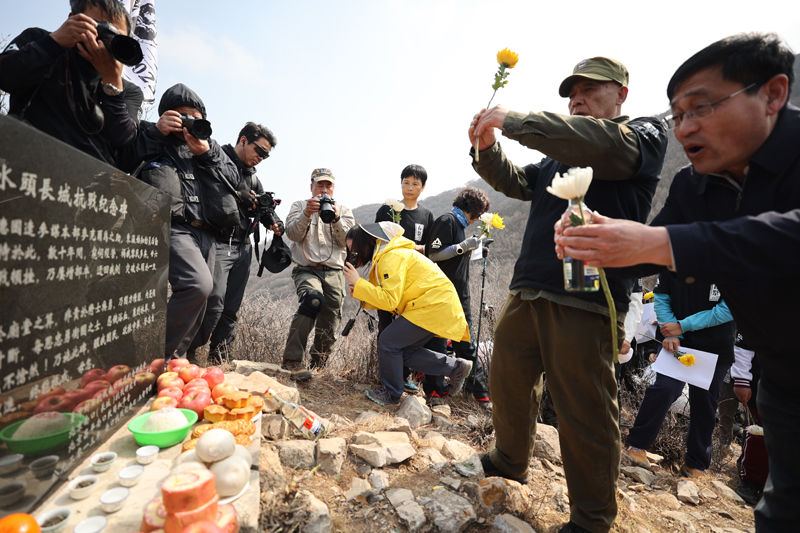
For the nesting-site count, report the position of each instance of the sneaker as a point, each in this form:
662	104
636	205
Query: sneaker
381	397
489	470
694	473
459	375
434	399
410	386
749	492
484	403
637	456
297	368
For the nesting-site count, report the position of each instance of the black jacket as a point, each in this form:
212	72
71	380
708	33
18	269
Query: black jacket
248	182
746	239
203	186
59	92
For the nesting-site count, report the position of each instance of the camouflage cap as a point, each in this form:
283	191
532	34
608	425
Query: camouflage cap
322	174
595	68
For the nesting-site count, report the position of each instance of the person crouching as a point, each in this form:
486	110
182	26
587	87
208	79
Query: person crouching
410	285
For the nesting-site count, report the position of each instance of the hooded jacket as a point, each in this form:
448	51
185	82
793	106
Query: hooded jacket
202	186
404	281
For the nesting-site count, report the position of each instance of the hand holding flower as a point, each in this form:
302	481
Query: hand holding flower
507	60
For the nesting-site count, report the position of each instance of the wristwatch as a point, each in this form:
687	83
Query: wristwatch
459	249
111	90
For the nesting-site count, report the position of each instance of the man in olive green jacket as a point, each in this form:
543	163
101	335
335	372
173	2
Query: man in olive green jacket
543	328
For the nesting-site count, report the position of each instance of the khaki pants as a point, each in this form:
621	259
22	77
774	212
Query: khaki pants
573	347
326	324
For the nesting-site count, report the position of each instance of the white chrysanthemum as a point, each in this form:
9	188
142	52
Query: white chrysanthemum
755	430
395	205
572	185
486	218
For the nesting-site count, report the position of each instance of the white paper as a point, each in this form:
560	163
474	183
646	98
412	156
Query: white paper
699	374
647	326
477	253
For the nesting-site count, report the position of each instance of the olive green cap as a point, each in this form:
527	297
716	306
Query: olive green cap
595	68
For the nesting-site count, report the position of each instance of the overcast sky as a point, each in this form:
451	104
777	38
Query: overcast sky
367	87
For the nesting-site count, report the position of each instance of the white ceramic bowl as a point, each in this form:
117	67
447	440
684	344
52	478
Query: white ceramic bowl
103	461
43	467
11	493
76	492
111	500
10	463
93	524
130	475
146	454
51	516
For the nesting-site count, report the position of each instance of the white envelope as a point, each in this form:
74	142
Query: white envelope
699	374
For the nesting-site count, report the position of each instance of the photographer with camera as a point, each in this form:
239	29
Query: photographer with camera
316	228
203	184
234	251
68	83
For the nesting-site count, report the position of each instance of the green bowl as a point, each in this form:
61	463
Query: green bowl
162	439
41	444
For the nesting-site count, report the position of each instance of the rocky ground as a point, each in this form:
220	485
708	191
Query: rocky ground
410	469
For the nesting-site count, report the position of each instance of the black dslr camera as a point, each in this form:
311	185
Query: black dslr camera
198	127
326	212
264	212
125	49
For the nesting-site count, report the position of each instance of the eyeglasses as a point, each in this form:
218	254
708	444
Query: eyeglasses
260	151
704	109
413	184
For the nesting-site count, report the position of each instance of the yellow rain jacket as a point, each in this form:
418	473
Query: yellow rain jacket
406	282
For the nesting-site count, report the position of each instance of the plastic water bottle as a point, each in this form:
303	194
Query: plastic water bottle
305	421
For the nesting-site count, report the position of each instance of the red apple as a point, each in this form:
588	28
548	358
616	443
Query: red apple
78	395
214	376
94	386
197	382
164	401
121	385
144	380
157	366
52	392
221	390
117	372
87	407
190	372
176	364
196	400
59	403
169	379
93	375
172	392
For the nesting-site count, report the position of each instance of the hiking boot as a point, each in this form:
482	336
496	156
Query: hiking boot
484	403
489	470
637	456
459	375
410	387
434	399
572	527
692	473
318	360
382	397
297	368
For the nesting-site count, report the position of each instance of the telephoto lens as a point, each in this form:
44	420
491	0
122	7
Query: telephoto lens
326	212
125	49
198	127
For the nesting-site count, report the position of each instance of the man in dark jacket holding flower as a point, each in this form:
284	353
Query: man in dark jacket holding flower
543	328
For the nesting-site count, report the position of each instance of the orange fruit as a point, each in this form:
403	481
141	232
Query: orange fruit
19	523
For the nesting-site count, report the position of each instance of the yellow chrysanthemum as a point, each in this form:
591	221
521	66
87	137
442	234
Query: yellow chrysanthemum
687	359
497	222
507	57
649	295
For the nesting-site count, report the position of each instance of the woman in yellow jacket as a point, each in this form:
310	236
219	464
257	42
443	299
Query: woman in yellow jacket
407	283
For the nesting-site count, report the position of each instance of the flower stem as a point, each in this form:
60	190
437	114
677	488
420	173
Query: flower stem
612	312
477	154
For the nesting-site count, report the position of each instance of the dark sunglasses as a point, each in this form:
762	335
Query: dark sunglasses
260	151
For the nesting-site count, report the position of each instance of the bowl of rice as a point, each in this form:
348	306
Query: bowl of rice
163	428
41	432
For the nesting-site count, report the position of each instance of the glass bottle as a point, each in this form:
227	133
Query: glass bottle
305	421
577	276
